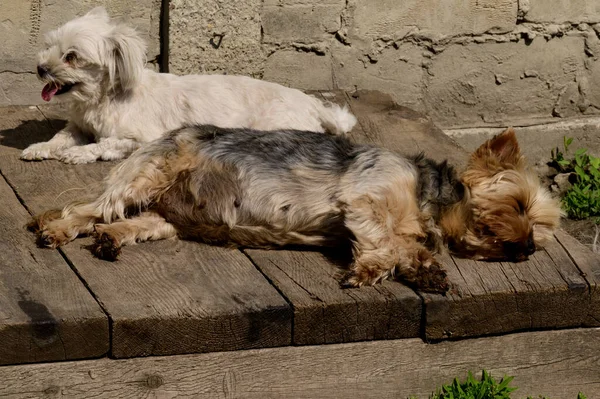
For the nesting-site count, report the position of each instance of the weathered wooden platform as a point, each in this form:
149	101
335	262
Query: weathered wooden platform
557	364
175	297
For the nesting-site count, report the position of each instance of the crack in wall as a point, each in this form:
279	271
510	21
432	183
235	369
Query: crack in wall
435	44
526	31
18	72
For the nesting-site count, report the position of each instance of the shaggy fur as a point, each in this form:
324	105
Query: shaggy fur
273	189
116	105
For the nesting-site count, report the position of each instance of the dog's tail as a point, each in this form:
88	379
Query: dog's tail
336	119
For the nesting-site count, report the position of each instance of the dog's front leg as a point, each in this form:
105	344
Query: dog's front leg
69	137
386	232
148	226
410	262
106	149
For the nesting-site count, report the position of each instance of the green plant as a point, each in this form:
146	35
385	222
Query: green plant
486	388
582	200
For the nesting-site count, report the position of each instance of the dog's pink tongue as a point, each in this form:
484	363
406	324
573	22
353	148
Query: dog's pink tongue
49	91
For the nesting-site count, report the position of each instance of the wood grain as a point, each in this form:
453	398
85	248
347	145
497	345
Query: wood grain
589	265
173	296
492	297
557	364
325	313
166	297
46	312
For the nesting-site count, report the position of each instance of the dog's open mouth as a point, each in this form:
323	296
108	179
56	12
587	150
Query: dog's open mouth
52	89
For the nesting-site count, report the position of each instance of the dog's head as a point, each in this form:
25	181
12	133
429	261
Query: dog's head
506	213
91	56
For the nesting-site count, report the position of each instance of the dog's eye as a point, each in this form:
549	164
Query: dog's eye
70	57
521	207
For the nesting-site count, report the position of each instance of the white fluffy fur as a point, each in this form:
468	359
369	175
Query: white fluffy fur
117	104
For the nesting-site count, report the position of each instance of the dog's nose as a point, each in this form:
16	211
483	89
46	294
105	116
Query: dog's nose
530	246
42	71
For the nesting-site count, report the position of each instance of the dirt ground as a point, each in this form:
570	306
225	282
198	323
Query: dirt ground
536	144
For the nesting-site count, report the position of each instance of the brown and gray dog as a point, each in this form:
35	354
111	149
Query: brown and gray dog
273	189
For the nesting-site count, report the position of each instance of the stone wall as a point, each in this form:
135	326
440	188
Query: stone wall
464	62
467	63
23	24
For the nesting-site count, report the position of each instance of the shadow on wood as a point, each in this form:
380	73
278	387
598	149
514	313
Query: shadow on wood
30	132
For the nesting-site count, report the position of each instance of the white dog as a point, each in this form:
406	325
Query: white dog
117	104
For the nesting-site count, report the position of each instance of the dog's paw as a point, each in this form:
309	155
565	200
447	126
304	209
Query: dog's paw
77	155
112	155
350	280
432	279
38	152
55	233
423	272
363	276
52	238
40	222
106	247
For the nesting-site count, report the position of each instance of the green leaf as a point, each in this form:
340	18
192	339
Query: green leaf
581	174
504	383
567	142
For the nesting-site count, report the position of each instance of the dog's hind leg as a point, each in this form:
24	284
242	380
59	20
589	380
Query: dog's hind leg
132	184
148	226
79	218
76	219
40	221
138	180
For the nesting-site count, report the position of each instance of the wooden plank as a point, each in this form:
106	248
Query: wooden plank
486	298
164	298
589	266
505	297
173	297
556	364
46	313
325	313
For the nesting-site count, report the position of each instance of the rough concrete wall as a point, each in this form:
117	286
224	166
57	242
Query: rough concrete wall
24	22
213	35
465	62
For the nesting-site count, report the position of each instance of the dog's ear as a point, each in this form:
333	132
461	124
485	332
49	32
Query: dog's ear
504	148
129	54
98	12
